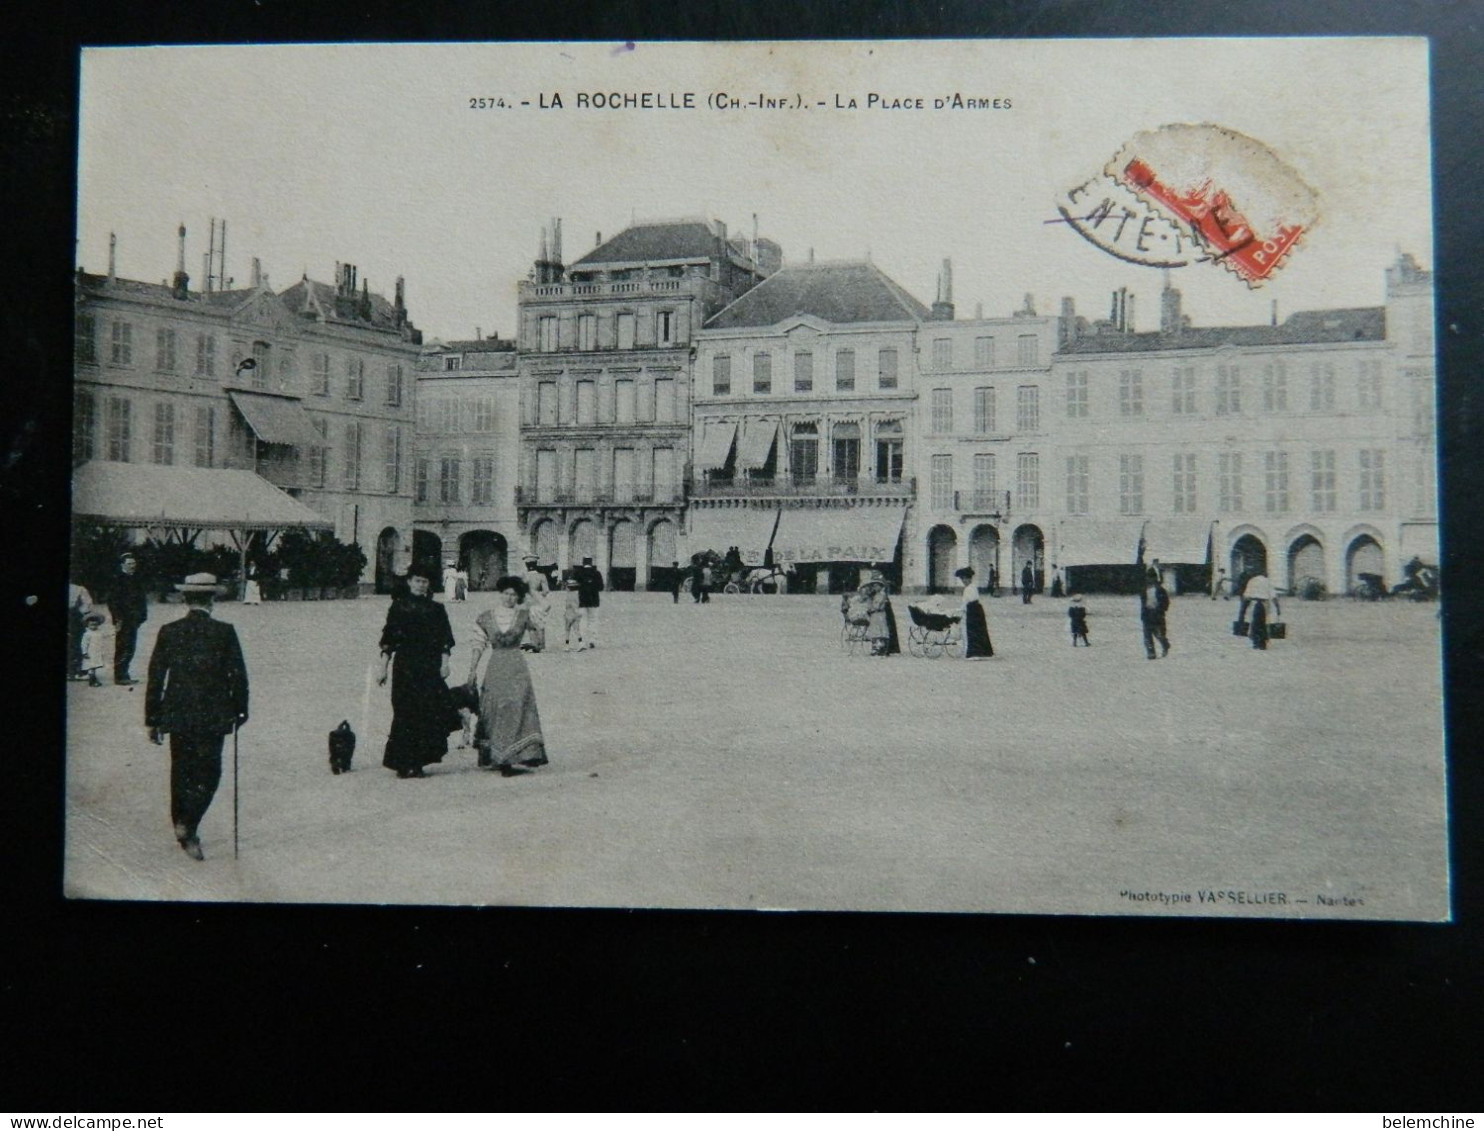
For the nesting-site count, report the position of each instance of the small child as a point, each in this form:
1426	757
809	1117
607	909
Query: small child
1077	614
570	605
94	643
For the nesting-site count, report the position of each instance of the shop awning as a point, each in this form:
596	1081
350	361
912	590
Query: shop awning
750	529
1179	540
838	534
277	420
756	443
1089	541
715	445
192	498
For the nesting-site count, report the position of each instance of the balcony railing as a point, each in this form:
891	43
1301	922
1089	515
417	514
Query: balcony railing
786	486
526	497
624	287
982	502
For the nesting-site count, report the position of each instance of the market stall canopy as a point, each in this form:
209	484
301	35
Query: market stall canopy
1085	541
750	529
716	445
277	420
838	534
201	498
756	443
1178	540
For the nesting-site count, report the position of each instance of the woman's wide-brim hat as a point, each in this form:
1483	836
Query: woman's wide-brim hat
200	583
95	618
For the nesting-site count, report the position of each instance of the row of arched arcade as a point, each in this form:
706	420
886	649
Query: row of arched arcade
627	551
1337	561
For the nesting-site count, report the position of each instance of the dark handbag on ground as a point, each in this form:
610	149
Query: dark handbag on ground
1239	628
342	748
1277	630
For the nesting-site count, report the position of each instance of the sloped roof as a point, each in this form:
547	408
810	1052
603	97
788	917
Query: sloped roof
307	294
1306	327
654	242
160	292
131	494
834	292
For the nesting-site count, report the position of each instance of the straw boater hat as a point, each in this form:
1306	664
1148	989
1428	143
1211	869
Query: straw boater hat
1077	600
200	583
94	618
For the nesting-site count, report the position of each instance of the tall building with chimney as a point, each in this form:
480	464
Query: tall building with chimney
605	387
1303	448
984	413
310	387
805	435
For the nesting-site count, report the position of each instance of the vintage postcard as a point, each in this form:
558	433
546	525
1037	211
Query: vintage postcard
900	476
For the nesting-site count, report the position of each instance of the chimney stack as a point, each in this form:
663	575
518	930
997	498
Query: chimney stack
598	238
1275	312
943	308
1171	321
556	241
113	242
180	286
257	272
399	302
1128	316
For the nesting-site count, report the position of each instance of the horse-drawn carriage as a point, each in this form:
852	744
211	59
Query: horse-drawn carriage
757	579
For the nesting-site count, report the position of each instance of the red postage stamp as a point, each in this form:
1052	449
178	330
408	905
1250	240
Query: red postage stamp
1196	193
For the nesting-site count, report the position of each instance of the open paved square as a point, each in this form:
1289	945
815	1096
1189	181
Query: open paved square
731	756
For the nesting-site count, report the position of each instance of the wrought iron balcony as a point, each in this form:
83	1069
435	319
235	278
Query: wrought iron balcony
784	486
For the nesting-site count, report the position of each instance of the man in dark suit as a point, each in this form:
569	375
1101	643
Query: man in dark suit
589	585
129	607
197	694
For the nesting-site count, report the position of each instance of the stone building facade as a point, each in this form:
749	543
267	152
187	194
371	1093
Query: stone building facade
466	458
983	416
803	425
1303	448
310	387
605	393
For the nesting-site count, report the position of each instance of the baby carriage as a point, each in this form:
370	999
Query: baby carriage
856	613
932	633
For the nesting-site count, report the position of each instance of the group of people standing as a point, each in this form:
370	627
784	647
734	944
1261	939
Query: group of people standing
88	628
417	644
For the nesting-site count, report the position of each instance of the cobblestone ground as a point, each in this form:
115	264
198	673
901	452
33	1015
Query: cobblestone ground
731	755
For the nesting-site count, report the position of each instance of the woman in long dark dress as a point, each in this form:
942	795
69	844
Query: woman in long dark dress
508	736
976	626
418	635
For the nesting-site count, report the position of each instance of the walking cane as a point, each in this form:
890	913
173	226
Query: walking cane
234	789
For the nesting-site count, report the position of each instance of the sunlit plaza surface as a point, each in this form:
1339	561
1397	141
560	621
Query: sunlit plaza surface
731	755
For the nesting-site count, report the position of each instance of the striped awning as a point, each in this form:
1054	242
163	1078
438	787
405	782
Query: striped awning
1096	541
756	443
277	420
715	445
1177	540
838	534
750	529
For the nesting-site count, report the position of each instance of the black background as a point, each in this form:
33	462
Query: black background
117	1007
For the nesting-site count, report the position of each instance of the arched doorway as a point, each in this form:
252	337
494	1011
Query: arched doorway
623	560
984	556
1364	556
486	556
661	554
544	541
1029	545
583	540
942	558
1249	558
388	542
1305	560
427	554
